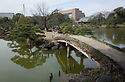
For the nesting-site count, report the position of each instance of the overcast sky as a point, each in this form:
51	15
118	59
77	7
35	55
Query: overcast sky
89	7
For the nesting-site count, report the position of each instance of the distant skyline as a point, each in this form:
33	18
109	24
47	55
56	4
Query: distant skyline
89	7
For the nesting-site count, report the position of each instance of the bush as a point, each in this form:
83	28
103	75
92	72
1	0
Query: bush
75	29
26	31
6	25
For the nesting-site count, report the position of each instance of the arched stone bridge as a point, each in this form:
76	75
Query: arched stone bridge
86	46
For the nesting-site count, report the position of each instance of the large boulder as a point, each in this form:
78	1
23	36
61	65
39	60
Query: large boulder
55	47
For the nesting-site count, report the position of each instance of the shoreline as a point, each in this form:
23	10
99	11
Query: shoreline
115	47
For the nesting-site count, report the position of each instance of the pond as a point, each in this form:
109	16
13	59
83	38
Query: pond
114	36
21	62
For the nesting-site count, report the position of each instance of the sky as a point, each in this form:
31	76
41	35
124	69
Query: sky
89	7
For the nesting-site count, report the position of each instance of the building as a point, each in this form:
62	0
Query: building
9	15
74	14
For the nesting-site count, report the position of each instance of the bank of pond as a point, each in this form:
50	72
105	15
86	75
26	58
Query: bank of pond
111	36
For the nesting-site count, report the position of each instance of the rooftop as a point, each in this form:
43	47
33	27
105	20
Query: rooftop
84	19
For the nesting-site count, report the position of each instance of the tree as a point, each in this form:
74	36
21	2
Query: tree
52	20
21	19
24	20
55	19
99	17
27	57
17	17
26	32
117	16
120	11
6	25
42	12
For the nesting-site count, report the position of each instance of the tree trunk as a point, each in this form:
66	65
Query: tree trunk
45	24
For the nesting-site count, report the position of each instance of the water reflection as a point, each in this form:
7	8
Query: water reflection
28	56
29	64
69	65
115	36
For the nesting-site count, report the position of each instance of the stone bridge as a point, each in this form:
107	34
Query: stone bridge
86	46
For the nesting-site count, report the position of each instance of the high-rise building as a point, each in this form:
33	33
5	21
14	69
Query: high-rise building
74	14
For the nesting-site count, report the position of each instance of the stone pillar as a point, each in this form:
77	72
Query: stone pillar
68	51
66	44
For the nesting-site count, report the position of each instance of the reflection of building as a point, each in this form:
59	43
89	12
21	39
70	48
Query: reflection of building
9	15
74	14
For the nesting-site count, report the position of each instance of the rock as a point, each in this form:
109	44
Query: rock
55	47
49	45
61	47
52	45
105	78
56	44
42	46
74	78
44	49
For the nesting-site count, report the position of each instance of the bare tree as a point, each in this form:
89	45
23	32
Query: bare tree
98	17
42	12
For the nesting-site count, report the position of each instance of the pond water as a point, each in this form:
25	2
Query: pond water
21	62
114	36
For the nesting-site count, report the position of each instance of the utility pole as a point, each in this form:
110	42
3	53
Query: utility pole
24	11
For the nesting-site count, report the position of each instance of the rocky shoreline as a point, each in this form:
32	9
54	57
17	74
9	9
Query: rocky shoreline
5	35
52	46
90	75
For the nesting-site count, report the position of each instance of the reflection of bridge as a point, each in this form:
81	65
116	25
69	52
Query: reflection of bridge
77	41
69	65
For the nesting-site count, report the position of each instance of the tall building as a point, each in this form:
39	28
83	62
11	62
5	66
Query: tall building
9	15
74	14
